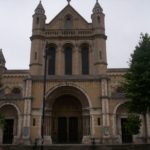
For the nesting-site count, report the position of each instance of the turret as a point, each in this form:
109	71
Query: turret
39	17
2	62
99	41
36	56
98	17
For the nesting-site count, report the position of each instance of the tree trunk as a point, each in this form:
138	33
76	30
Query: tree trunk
145	128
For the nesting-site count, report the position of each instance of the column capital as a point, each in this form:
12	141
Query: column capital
76	45
76	48
59	45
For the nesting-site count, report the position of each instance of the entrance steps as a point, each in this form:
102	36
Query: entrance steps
78	147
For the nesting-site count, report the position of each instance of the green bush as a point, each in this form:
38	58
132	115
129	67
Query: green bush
133	124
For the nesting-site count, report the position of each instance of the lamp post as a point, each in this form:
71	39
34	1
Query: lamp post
44	94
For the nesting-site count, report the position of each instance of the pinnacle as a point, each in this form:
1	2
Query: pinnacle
69	2
2	56
97	7
39	9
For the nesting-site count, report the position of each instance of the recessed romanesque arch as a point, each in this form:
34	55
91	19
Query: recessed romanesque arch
120	119
13	105
119	105
71	88
11	128
68	107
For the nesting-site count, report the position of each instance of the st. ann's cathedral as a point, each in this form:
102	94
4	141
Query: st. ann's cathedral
83	98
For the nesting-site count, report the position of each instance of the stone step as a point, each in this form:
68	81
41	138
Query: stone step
78	147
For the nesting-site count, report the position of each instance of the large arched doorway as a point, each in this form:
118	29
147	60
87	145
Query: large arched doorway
10	126
67	115
67	120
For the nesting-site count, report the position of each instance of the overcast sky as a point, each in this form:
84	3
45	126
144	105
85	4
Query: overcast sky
125	20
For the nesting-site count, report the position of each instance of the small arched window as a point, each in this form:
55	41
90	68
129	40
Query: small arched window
119	92
37	20
100	55
85	59
68	22
35	55
16	91
1	92
98	19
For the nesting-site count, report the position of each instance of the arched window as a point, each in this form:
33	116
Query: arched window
98	19
68	22
35	55
118	92
37	20
51	60
85	59
16	91
68	60
100	55
1	92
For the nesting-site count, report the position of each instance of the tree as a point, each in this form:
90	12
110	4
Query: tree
137	80
133	124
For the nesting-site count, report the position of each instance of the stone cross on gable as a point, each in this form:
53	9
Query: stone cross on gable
69	1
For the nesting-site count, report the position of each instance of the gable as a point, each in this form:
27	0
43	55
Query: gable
68	17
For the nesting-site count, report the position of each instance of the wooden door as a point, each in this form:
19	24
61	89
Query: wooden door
62	130
73	130
8	131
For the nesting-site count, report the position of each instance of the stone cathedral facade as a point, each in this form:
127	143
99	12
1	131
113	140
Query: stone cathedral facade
83	98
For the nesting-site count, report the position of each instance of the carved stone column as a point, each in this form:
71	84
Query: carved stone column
105	109
47	131
86	127
27	111
76	60
59	65
91	60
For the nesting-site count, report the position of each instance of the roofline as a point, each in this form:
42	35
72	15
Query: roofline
63	10
17	71
117	70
